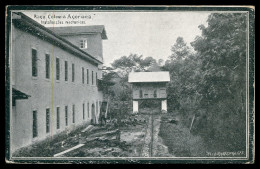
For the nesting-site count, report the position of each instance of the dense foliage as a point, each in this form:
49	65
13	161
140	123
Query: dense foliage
208	82
211	83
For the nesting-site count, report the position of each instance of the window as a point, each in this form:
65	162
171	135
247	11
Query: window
34	127
58	117
88	109
66	70
155	94
34	63
87	77
83	44
145	93
163	93
57	69
96	79
73	72
73	114
47	120
47	66
66	115
92	76
83	75
83	111
140	94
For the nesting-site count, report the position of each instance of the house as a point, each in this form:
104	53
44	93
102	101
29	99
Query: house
54	77
149	85
88	38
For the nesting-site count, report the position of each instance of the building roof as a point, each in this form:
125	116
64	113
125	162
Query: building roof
17	94
135	77
93	29
27	24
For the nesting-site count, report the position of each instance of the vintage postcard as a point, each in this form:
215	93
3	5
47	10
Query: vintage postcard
121	84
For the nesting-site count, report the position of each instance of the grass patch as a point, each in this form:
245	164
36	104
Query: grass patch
179	140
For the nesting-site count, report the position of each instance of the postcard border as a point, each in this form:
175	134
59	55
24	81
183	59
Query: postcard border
250	86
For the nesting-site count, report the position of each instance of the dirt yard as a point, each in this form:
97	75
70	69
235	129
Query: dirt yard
140	135
98	141
130	144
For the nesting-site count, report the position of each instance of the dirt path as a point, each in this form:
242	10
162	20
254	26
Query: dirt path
145	152
158	149
153	143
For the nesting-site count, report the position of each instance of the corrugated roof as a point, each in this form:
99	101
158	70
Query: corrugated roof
81	30
148	77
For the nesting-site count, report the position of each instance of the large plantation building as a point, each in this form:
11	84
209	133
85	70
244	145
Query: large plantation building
54	78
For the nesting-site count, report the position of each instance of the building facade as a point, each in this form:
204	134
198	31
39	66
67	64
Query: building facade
59	78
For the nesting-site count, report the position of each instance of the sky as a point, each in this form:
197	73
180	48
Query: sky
143	33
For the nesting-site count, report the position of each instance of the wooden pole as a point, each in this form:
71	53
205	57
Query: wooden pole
192	122
107	108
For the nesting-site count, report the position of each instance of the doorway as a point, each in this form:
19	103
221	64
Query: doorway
93	115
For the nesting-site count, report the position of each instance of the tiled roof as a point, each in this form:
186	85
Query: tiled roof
148	77
81	30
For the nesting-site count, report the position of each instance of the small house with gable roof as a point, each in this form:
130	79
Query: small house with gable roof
149	85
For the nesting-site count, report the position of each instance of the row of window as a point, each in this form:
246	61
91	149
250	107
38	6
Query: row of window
47	69
146	94
35	126
150	93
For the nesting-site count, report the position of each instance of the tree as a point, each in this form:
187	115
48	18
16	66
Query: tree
180	49
182	68
126	64
222	52
160	62
211	82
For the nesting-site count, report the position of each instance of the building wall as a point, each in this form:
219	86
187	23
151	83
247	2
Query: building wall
149	89
47	93
94	42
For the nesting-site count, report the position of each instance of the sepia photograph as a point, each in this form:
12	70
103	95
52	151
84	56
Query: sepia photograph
108	84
